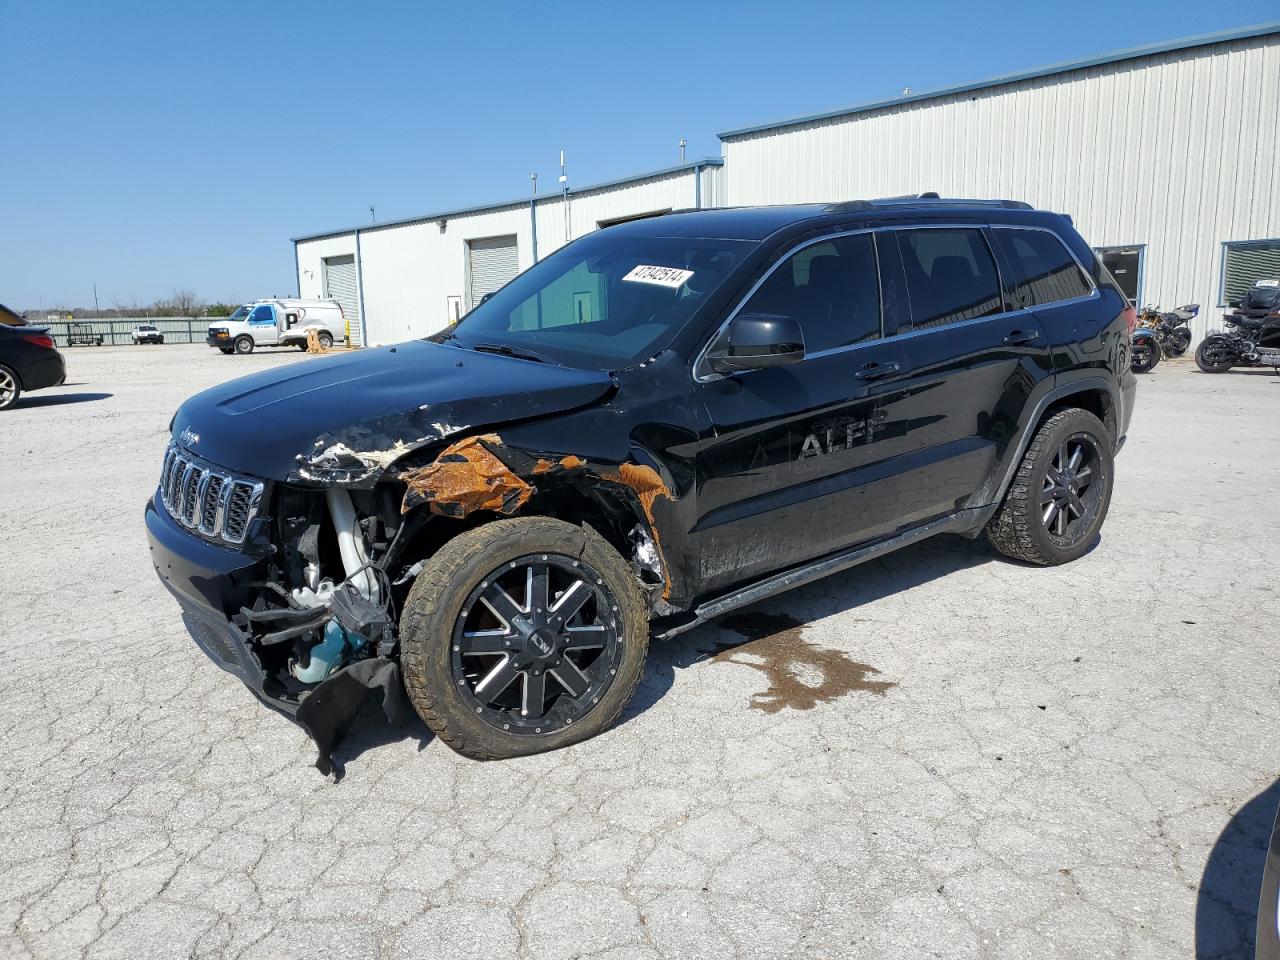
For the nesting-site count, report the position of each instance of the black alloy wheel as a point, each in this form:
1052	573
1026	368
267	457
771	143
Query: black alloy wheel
1055	506
537	643
1070	498
522	635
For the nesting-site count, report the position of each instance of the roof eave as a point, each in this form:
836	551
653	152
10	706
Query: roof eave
1116	56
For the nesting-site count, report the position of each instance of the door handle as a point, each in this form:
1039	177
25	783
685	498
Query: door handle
874	371
1017	337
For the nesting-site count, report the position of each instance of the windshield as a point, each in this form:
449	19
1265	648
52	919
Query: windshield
241	312
603	301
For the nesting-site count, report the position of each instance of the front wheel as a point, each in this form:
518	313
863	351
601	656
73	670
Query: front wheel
1059	497
522	635
10	388
1214	355
244	344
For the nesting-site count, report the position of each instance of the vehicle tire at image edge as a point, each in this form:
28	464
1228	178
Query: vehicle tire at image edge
1059	497
459	582
10	387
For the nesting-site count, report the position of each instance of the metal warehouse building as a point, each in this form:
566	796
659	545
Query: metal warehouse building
1166	156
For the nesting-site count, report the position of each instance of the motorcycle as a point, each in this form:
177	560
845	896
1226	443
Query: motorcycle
1247	342
1160	334
1144	350
1171	328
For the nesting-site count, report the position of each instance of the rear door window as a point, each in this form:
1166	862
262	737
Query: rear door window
832	289
951	276
1043	270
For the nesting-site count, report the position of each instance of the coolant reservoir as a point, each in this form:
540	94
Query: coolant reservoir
328	654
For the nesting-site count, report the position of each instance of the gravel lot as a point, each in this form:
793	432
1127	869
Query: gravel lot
938	754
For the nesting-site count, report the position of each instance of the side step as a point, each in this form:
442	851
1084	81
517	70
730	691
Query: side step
834	563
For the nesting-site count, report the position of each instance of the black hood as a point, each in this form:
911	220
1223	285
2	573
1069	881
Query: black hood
383	402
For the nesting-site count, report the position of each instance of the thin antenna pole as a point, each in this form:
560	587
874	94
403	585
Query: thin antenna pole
564	193
683	144
373	214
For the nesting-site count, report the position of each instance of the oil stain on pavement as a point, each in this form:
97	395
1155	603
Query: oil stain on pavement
800	674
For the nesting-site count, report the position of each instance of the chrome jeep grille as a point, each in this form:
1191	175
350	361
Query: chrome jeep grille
215	505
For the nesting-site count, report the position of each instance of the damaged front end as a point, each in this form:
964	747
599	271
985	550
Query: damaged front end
305	609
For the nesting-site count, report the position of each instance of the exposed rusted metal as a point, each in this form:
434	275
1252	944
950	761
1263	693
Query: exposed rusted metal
467	476
564	463
647	485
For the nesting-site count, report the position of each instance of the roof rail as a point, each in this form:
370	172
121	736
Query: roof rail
930	198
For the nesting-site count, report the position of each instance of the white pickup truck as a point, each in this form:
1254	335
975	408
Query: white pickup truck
278	323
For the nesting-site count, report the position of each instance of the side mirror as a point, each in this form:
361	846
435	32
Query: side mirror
758	340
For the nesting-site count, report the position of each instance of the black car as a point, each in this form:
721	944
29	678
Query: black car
28	361
657	423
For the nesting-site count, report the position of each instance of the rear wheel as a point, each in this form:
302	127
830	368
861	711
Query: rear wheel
325	339
10	388
1214	355
244	344
1179	340
1059	497
521	636
1145	356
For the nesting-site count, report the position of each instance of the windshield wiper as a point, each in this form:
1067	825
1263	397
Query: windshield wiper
509	351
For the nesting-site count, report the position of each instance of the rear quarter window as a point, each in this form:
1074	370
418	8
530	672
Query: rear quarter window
1042	269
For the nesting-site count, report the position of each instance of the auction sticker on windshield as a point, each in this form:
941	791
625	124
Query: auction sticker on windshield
663	276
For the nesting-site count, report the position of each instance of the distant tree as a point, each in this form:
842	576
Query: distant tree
184	302
219	309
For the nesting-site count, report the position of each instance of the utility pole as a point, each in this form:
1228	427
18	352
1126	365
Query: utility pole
683	144
97	314
533	215
372	215
564	194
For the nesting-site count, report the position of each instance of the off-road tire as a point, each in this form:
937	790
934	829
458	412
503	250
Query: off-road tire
435	603
14	387
1016	529
243	344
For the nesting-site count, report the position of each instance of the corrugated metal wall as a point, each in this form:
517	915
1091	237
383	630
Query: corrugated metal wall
1179	151
410	270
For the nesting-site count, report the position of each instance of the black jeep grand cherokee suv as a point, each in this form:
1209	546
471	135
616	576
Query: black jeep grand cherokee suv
659	422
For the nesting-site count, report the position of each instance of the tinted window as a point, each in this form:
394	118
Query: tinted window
951	276
832	289
262	314
1043	270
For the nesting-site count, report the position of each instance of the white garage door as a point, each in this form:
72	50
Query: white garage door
340	285
491	262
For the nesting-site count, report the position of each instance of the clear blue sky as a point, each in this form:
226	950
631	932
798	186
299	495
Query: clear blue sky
154	145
